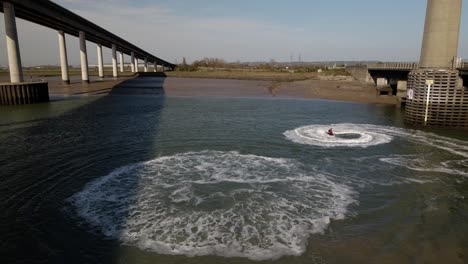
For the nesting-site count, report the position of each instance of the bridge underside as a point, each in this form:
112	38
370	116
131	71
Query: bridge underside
464	75
392	77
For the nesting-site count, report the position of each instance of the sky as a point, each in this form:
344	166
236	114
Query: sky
243	30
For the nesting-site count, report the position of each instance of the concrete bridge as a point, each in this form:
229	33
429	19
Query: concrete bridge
392	67
394	75
436	91
51	15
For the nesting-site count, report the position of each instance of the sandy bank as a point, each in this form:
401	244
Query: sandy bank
343	89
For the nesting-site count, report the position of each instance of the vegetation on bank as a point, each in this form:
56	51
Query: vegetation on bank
271	71
215	68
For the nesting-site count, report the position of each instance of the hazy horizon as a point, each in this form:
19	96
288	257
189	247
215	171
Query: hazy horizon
243	31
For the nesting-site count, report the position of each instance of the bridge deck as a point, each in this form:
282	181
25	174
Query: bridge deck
404	66
49	14
408	66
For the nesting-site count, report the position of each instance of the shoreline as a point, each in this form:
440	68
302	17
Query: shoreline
337	88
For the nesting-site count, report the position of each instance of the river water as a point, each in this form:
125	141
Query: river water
154	179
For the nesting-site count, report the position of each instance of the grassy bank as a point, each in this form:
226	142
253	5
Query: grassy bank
247	74
212	73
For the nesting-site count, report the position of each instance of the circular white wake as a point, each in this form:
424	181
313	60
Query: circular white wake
214	203
345	135
365	135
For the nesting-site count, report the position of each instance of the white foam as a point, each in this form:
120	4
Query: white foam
371	135
316	135
455	167
214	203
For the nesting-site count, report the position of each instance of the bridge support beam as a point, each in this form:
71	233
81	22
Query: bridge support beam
155	66
83	58
14	58
115	73
63	57
132	61
122	66
100	61
146	65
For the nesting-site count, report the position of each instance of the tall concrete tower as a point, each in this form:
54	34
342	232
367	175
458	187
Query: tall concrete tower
436	96
441	33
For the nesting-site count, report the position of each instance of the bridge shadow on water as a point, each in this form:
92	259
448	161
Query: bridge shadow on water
148	83
46	159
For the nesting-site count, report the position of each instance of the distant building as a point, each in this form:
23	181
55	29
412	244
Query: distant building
335	67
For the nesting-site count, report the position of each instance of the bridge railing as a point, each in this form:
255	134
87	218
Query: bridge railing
393	66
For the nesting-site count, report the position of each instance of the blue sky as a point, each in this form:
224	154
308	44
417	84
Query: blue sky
255	30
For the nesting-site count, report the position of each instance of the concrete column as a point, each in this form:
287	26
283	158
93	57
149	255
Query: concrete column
14	58
146	65
122	62
132	61
402	88
155	66
83	57
115	73
100	61
382	82
63	57
441	33
136	64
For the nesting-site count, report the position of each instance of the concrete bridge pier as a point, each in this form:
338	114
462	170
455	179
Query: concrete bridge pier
63	57
383	86
155	65
14	58
136	64
382	82
115	73
83	58
441	33
402	88
145	65
132	61
122	67
436	96
100	61
17	92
